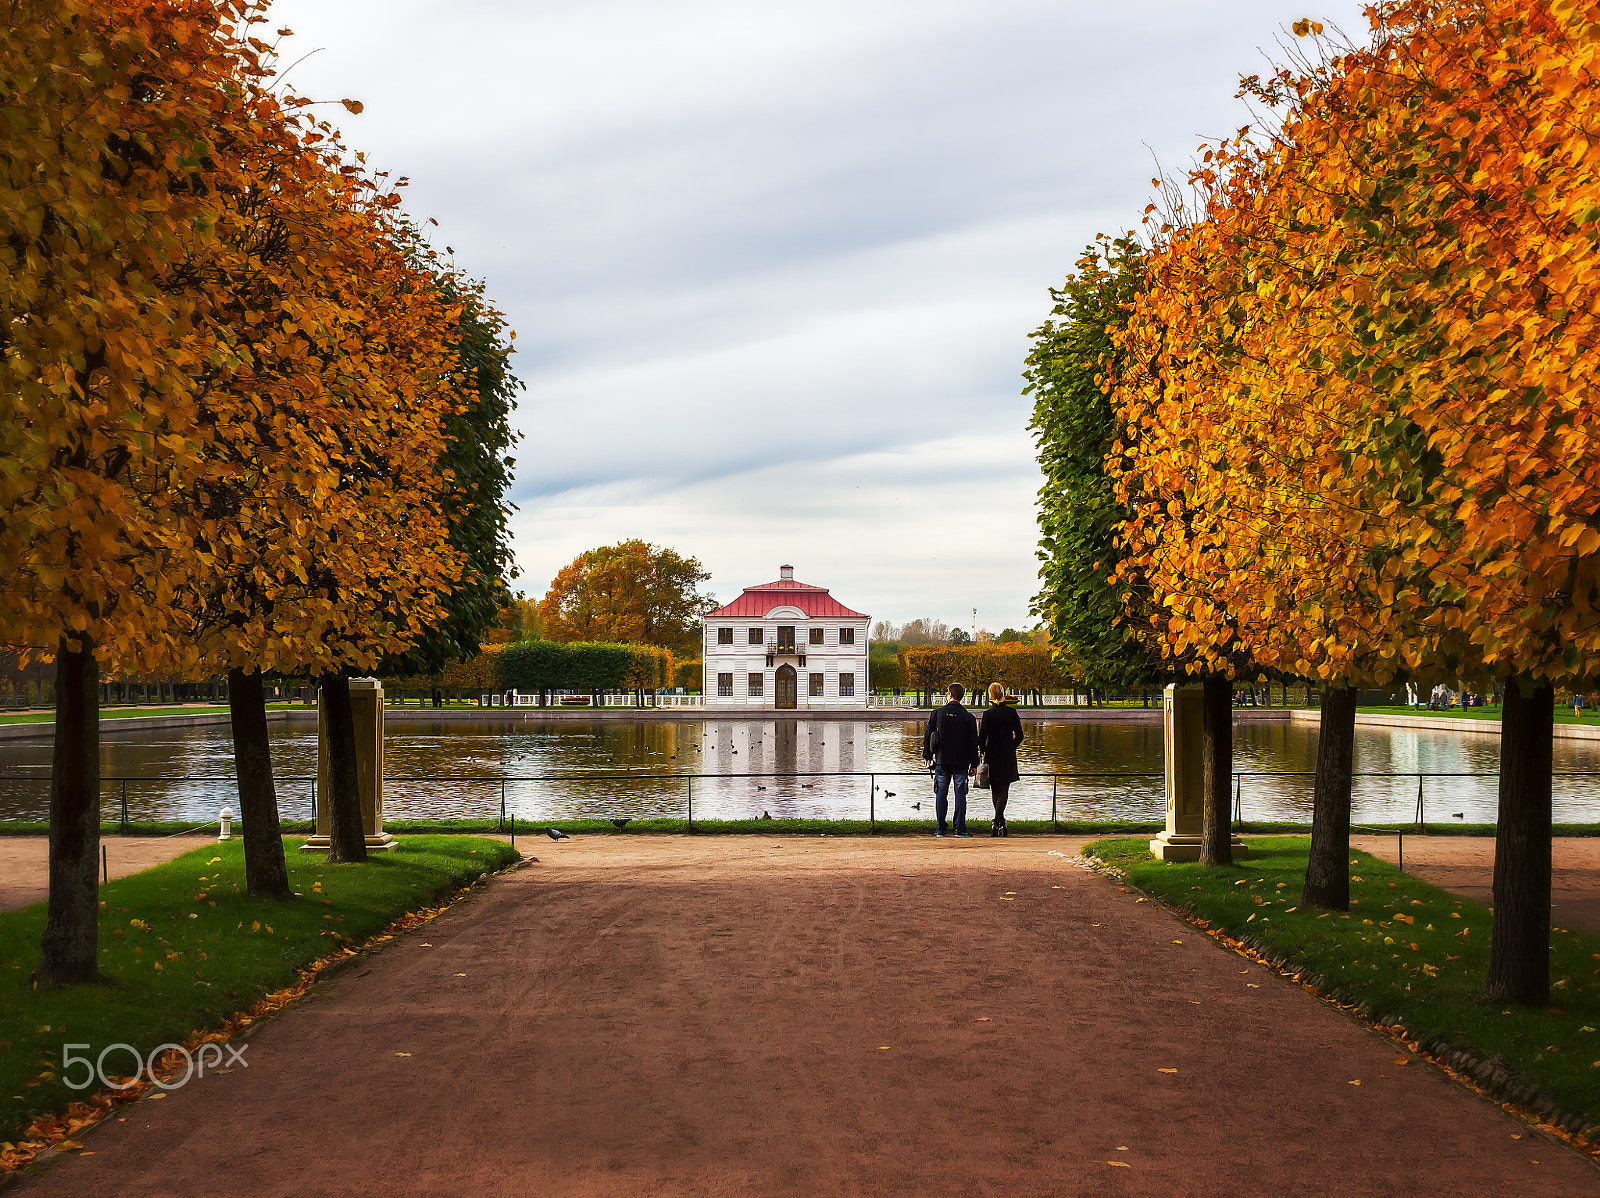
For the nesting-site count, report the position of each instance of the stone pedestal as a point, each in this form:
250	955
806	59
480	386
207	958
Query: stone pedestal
1183	726
366	712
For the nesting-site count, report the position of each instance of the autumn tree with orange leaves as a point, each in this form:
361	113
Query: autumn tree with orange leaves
109	202
228	378
628	593
1362	445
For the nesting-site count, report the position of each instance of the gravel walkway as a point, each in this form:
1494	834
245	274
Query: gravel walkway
821	1016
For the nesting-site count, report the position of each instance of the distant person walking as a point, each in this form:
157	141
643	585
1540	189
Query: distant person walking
950	741
998	738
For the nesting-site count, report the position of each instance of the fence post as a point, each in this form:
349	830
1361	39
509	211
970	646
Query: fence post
124	805
872	803
1238	805
1055	824
502	827
1420	825
691	802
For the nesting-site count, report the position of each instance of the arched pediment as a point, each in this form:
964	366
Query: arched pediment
785	611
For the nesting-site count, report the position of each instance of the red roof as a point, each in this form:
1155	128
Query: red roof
814	601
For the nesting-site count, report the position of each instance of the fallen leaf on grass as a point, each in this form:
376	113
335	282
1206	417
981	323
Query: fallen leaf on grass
68	1146
1402	1060
157	1097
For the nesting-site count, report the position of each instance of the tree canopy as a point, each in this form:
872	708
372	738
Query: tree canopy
628	593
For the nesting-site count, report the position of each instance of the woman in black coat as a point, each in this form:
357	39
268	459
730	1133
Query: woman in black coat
998	738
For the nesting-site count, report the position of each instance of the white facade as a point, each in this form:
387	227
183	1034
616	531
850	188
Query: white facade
786	645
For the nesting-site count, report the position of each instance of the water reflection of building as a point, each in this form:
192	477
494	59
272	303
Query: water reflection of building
786	646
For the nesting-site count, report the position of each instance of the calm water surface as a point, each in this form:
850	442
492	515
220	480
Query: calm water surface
459	769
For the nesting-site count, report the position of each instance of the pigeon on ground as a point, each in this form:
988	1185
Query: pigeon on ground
556	834
621	823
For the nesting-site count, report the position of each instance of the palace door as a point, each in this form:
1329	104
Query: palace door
785	689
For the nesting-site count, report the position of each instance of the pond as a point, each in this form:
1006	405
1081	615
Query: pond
653	767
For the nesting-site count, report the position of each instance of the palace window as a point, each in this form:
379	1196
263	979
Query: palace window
786	637
755	686
724	686
755	636
817	635
847	686
725	636
847	636
816	686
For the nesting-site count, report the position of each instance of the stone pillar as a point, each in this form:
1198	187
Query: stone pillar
366	711
1183	727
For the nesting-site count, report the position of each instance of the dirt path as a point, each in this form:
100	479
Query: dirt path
1464	865
25	862
820	1016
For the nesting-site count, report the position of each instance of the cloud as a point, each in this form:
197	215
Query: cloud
773	266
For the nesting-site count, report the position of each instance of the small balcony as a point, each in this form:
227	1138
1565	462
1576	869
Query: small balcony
785	649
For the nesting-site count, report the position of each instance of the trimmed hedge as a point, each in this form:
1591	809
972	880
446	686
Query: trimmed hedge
583	666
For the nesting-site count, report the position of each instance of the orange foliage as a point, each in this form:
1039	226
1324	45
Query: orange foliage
1359	436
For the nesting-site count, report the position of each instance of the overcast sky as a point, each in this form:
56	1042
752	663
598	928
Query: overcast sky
773	266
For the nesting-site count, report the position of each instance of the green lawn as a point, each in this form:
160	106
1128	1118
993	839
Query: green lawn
1563	714
118	713
1406	951
183	948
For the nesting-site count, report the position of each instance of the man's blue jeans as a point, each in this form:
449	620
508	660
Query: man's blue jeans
941	785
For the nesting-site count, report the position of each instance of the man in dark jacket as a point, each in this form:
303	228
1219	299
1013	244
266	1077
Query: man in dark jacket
950	741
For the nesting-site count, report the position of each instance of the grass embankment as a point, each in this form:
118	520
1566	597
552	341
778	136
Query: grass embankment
1407	953
183	948
1490	714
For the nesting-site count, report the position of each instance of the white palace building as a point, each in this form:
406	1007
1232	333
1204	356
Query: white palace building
786	646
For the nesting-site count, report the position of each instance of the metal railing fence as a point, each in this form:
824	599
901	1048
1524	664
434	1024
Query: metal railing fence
503	783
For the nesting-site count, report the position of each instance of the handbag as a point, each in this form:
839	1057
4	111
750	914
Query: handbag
981	782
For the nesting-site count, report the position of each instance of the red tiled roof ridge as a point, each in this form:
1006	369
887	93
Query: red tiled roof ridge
786	584
816	602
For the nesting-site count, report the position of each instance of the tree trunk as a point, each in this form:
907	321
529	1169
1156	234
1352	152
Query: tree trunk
1328	867
266	874
1519	953
1216	833
348	841
70	947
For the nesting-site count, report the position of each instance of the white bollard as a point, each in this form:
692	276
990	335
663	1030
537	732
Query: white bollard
225	817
